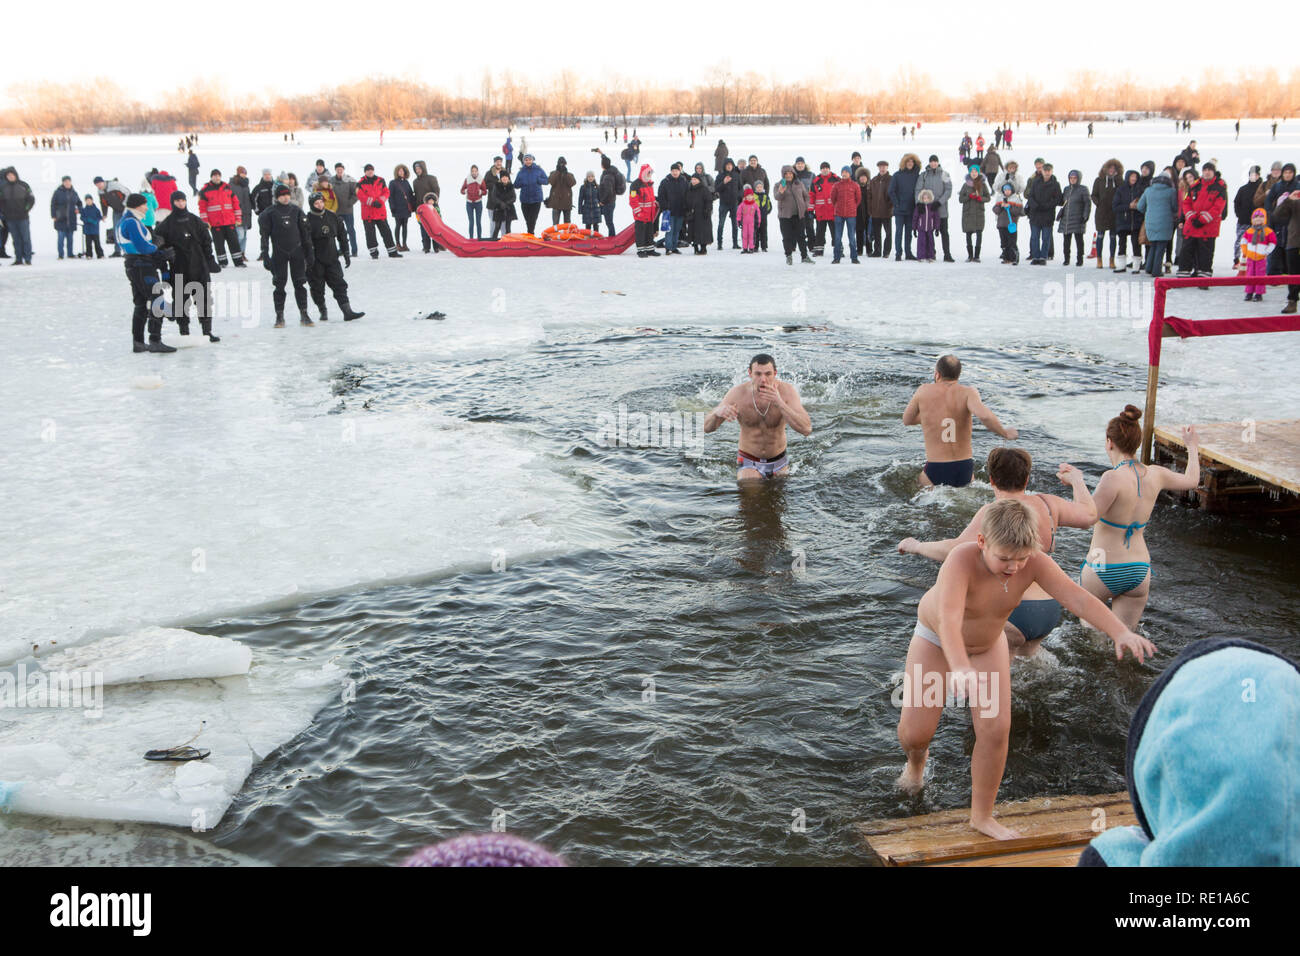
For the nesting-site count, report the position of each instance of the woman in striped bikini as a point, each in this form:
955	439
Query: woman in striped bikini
1118	568
1038	613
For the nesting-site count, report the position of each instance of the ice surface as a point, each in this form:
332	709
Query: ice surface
145	490
153	654
63	762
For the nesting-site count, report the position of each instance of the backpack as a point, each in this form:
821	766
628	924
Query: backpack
627	153
620	184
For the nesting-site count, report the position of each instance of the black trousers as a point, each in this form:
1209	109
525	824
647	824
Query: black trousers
183	296
881	250
531	211
327	273
370	225
1010	247
725	211
1293	268
973	250
645	236
146	297
792	234
556	215
943	236
92	245
1197	255
819	243
760	234
399	231
225	238
285	267
1078	239
1124	243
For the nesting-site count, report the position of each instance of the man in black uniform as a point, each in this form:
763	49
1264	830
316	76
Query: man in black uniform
191	267
284	227
329	240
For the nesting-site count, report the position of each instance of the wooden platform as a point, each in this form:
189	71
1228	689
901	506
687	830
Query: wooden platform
1055	829
1237	473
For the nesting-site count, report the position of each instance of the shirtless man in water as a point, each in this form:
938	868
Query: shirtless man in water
943	409
763	407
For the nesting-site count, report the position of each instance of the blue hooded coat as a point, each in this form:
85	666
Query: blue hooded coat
1213	765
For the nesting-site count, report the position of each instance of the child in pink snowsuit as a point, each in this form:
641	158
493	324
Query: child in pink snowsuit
749	214
1256	243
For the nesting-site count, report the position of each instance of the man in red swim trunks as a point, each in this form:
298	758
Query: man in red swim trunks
763	407
943	409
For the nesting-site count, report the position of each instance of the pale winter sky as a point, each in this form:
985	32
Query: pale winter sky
303	48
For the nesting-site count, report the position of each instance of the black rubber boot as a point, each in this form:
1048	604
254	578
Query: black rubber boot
279	318
348	314
139	347
324	312
206	326
157	345
304	318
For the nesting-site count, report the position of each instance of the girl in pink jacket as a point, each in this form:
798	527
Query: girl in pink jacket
749	214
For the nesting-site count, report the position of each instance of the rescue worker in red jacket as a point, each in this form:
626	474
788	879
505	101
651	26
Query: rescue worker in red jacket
1202	210
641	195
220	210
819	195
372	194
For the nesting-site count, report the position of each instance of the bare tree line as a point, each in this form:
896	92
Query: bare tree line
566	98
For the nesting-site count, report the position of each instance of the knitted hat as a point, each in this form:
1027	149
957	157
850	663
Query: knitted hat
266	170
749	188
134	200
311	200
97	180
1008	188
800	159
178	196
845	169
368	168
1261	212
933	158
214	172
282	190
826	165
241	171
484	849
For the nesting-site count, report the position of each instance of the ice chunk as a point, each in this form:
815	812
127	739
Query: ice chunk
153	654
58	762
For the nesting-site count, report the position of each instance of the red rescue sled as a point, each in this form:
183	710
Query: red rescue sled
446	236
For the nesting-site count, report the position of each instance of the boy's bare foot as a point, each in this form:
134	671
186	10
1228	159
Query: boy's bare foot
912	779
991	827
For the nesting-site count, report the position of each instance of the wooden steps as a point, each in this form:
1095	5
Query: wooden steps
1245	466
1055	831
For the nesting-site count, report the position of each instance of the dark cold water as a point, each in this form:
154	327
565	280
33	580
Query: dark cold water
526	690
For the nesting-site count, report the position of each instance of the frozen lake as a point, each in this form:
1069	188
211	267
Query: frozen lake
453	592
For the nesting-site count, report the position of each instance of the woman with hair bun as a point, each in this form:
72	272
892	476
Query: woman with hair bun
1118	567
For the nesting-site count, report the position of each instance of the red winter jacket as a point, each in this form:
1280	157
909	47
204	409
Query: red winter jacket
218	206
163	186
372	194
845	197
642	197
474	191
1204	202
820	197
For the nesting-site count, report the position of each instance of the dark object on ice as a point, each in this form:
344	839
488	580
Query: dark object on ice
436	316
178	754
182	752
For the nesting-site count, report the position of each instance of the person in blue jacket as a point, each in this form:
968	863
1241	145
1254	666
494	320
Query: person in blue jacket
529	182
902	195
1158	205
1212	763
65	207
142	261
91	217
508	149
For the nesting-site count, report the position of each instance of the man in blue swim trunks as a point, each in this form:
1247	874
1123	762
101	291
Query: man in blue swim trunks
763	407
944	409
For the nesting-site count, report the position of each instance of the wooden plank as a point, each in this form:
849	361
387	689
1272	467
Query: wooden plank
1063	856
1045	822
1273	456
